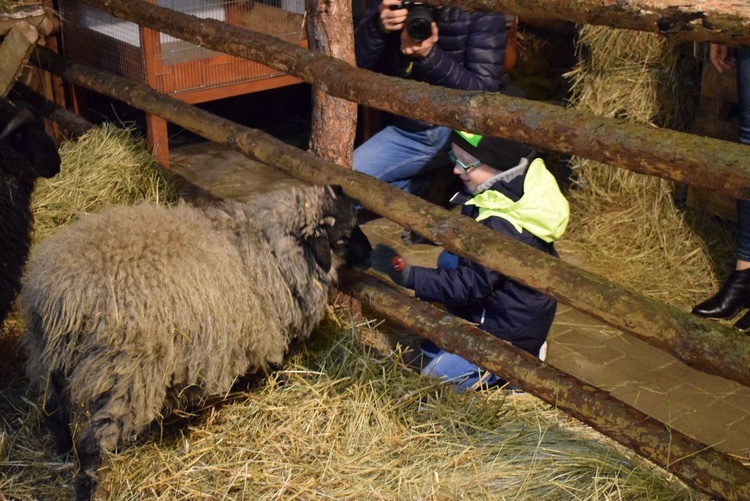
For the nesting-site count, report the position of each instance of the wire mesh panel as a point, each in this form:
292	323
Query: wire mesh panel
93	37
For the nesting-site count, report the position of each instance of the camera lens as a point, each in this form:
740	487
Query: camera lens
419	23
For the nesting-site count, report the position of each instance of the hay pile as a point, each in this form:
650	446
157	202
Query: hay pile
628	226
108	165
7	5
341	422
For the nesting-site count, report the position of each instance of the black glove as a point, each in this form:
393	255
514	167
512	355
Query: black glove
388	261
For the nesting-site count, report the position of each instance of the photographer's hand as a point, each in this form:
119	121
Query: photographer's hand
391	17
418	50
721	57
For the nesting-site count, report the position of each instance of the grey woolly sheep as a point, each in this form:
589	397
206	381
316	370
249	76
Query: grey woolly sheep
26	153
137	311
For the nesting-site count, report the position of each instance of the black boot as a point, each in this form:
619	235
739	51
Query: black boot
733	296
743	324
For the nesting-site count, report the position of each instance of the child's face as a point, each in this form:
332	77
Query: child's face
477	173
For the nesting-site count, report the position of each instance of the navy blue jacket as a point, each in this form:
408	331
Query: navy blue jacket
469	53
501	306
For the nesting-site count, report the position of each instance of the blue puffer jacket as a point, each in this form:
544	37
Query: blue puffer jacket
497	304
469	53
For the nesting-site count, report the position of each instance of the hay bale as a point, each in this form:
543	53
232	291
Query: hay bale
8	5
626	225
108	165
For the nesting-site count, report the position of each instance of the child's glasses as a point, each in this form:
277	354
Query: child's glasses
454	159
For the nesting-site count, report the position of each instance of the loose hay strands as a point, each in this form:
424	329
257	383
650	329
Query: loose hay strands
7	5
341	422
627	225
107	165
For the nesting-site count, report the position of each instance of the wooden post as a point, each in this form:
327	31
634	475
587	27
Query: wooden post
156	126
14	53
334	120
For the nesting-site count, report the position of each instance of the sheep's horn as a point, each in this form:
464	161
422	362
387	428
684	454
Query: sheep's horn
23	117
334	190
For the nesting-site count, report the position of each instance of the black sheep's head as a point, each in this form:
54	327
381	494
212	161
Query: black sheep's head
339	233
26	148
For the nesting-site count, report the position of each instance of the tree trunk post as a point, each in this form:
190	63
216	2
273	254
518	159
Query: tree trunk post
334	120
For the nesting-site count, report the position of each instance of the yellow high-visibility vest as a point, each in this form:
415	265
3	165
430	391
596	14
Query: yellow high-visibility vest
542	210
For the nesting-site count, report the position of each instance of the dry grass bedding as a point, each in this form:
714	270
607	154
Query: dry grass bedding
343	422
340	421
108	165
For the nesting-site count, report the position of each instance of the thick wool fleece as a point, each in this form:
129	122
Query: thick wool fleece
140	309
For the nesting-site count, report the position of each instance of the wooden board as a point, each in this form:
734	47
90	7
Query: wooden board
35	15
14	53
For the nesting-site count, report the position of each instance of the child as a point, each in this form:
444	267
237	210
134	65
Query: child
508	190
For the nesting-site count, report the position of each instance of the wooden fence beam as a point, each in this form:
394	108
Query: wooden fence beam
705	345
74	125
702	467
706	21
698	161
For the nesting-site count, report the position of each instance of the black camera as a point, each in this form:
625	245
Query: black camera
418	21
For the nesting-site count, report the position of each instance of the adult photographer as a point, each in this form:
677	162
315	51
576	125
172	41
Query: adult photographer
461	50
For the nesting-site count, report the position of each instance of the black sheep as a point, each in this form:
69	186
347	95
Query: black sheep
26	153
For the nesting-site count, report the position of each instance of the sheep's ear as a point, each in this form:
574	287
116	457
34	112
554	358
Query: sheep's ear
321	251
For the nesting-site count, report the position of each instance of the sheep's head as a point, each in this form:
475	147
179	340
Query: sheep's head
339	233
27	150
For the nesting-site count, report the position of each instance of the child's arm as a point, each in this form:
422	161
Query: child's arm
467	284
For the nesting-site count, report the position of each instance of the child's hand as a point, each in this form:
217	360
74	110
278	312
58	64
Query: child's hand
387	260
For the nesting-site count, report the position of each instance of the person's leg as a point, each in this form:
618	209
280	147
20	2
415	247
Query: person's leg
458	371
743	206
403	159
743	92
735	292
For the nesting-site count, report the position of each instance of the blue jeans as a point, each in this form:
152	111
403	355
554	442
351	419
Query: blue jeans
460	372
404	159
447	366
743	93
